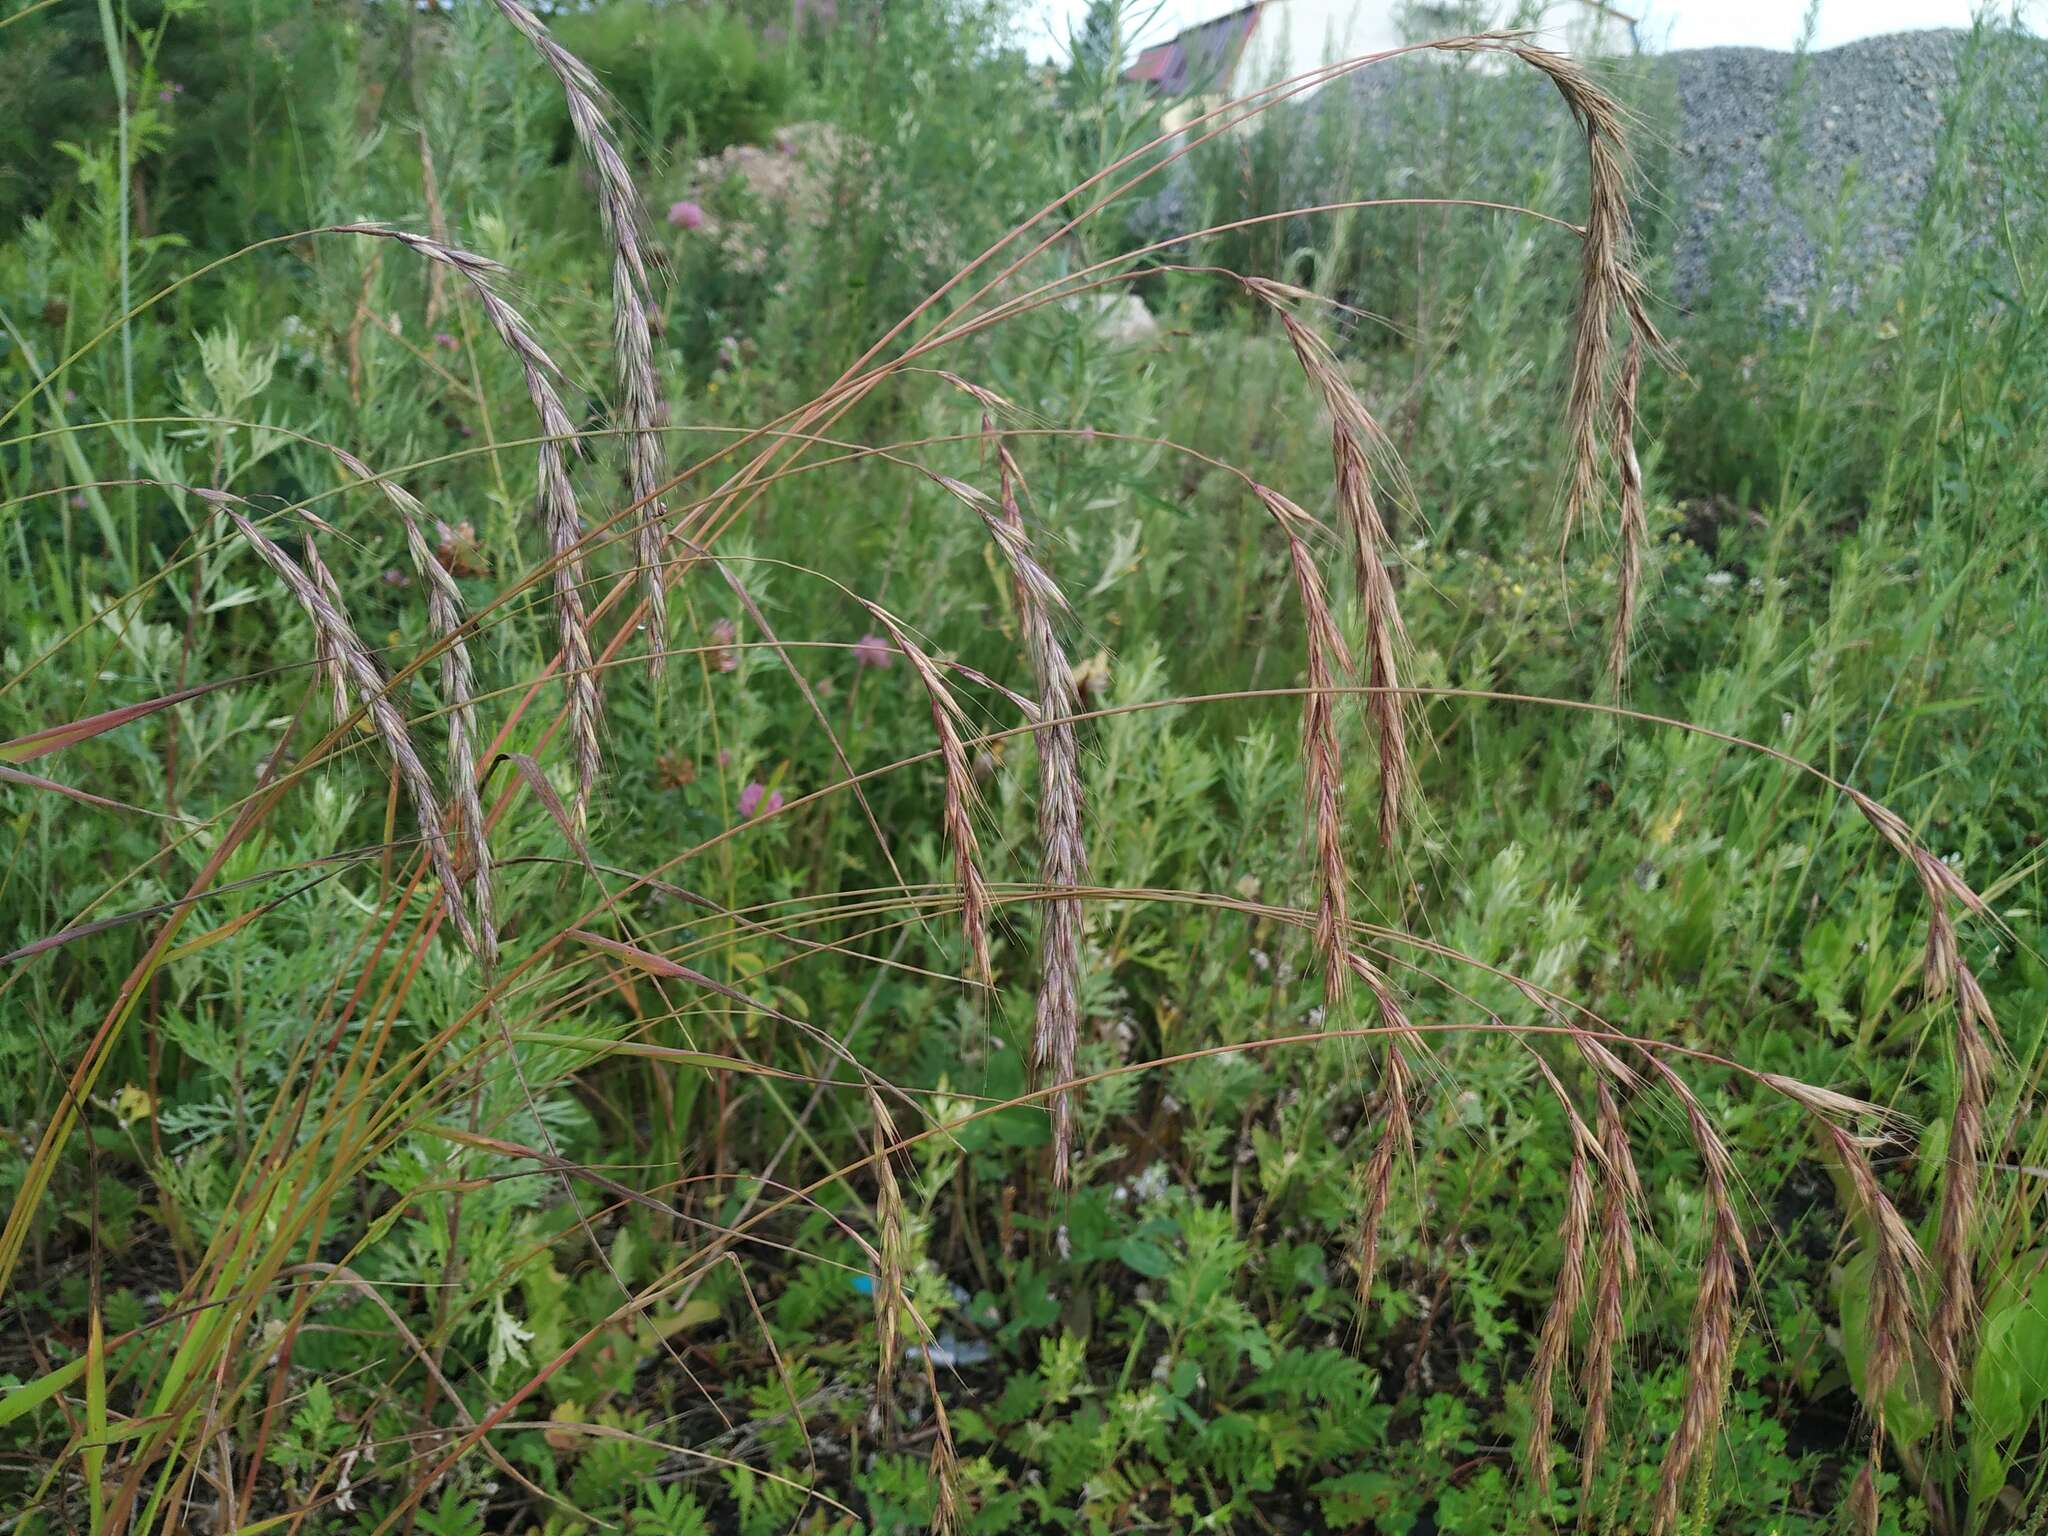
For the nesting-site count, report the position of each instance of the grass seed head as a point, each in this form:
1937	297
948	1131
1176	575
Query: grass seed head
1062	859
1565	1299
555	500
336	641
458	685
620	208
1614	1268
1712	1330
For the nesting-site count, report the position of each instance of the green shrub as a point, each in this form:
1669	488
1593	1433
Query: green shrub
688	73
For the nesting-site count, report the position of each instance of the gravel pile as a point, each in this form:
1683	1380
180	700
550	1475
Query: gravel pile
1749	154
1873	106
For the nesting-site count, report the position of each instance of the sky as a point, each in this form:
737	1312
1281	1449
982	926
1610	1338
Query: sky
1668	23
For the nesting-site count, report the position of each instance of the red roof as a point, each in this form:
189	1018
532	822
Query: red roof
1200	57
1152	62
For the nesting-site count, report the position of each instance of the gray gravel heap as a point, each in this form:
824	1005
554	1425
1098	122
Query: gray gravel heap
1756	154
1872	107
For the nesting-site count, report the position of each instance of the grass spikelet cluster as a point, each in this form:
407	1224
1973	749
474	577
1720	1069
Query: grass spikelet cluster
458	686
1600	412
1554	1338
555	502
961	796
1062	855
1712	1331
1943	974
1396	1137
1321	755
891	1246
354	673
1614	1270
1361	453
618	202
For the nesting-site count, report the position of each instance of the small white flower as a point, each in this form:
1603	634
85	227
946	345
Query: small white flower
1720	578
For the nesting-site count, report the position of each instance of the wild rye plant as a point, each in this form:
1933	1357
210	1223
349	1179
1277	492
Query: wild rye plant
362	1082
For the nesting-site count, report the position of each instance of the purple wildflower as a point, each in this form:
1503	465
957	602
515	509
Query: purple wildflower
724	645
873	651
686	215
444	341
757	797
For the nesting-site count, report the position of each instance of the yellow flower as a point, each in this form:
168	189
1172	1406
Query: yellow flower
132	1104
1662	832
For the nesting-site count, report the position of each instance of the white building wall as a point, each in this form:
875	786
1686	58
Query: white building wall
1295	36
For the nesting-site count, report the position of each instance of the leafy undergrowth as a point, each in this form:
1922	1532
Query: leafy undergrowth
719	1189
